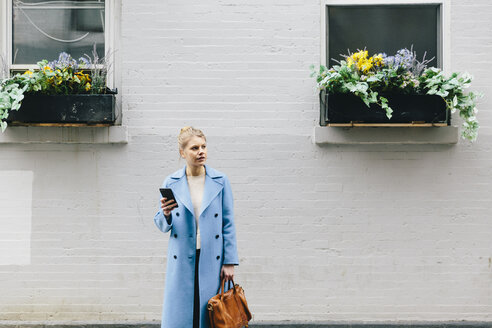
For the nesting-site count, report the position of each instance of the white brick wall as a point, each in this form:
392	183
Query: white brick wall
350	233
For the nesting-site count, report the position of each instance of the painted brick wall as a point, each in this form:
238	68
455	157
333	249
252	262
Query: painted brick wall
325	233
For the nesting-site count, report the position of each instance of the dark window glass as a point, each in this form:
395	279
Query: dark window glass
42	29
384	28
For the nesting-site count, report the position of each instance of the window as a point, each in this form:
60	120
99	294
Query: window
43	29
40	29
384	26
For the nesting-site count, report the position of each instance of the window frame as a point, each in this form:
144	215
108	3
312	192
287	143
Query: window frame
111	13
444	49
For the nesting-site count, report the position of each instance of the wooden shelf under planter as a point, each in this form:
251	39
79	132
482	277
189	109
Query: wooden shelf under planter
408	110
85	109
387	125
448	135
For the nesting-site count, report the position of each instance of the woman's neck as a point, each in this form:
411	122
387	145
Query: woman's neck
195	170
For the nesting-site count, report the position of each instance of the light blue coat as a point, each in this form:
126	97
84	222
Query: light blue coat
218	246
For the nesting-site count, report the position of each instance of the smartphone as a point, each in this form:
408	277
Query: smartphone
168	193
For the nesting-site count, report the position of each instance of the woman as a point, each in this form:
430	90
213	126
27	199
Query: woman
202	246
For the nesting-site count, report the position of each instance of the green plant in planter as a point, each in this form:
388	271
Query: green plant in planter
11	95
63	76
370	77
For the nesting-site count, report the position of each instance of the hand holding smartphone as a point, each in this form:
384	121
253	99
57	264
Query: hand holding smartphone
170	199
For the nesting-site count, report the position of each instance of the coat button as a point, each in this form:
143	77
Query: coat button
177	214
218	257
175	257
175	235
216	214
190	256
216	236
191	236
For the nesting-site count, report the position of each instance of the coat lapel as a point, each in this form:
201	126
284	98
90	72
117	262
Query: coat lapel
182	191
211	189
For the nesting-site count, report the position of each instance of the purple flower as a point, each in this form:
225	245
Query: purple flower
64	61
388	61
404	58
84	62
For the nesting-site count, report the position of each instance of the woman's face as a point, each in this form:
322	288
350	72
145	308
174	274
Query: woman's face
195	151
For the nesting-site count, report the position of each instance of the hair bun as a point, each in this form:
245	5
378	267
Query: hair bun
184	129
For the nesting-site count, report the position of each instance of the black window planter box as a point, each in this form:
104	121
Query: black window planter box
65	109
408	110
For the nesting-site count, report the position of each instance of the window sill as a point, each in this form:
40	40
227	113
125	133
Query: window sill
64	135
386	135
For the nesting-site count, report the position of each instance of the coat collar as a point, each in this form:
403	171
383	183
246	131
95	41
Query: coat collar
211	189
209	171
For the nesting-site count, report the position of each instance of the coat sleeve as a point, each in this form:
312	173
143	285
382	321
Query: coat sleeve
228	227
160	220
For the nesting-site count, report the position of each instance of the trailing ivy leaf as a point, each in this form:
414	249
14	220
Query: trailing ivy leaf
432	91
373	78
351	86
362	87
386	107
373	97
442	93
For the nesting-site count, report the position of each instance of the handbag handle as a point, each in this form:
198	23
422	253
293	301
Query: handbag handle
222	285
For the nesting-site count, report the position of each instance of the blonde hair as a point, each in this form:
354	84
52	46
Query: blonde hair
186	133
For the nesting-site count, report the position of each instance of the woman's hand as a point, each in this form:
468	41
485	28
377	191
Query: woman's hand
167	206
227	272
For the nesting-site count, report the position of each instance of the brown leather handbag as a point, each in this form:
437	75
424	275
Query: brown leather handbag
229	309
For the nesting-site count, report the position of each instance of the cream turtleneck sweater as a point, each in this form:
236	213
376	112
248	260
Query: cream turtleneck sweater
196	185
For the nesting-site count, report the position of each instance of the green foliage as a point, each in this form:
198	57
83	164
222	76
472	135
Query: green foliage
11	95
60	77
56	80
369	77
451	89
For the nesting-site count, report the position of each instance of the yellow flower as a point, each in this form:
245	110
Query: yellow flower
378	60
28	72
364	65
87	86
350	61
361	55
363	62
360	59
82	76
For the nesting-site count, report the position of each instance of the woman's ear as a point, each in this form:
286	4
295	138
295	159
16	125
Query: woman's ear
181	153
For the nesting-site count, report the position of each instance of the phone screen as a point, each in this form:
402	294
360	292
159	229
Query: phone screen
168	193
